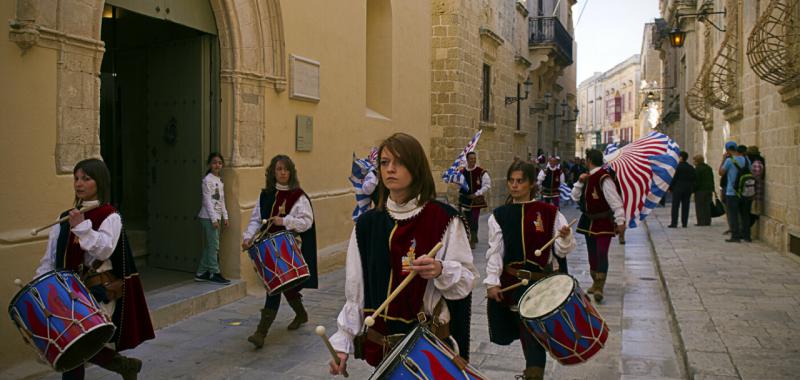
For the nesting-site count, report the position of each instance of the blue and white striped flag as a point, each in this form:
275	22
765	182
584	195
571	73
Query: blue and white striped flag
453	174
644	170
359	170
565	192
611	148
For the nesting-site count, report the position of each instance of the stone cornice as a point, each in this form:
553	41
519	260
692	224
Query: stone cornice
491	36
520	59
522	10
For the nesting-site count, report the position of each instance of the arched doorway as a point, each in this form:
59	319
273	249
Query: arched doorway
159	119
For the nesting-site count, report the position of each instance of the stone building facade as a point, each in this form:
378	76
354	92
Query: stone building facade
737	77
154	86
609	105
483	52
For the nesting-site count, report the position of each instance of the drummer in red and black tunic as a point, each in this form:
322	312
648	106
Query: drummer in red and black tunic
94	245
603	217
473	200
288	207
550	180
388	243
516	231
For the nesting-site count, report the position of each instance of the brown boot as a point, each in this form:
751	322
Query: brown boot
300	315
127	367
601	282
532	373
267	317
593	288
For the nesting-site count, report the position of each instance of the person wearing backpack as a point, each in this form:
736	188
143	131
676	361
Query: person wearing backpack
736	168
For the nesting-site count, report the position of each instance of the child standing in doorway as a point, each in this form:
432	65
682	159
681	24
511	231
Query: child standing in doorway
213	215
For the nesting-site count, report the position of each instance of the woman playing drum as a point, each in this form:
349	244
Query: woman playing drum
512	257
387	244
286	207
94	245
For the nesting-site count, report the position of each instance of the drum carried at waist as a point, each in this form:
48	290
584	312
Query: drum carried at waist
421	355
57	315
562	319
278	261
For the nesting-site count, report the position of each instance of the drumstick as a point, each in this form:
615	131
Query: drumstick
320	330
523	282
369	321
18	283
35	231
538	252
259	233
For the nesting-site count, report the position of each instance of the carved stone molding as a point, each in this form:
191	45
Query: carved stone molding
252	58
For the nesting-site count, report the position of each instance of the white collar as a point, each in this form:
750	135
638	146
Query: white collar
90	203
280	187
403	211
595	170
473	168
553	168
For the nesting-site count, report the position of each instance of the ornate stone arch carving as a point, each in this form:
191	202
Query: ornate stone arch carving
252	58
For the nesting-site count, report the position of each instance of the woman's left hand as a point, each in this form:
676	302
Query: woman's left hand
75	217
427	267
564	232
277	220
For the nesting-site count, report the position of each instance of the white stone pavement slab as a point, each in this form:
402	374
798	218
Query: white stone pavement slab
213	345
736	304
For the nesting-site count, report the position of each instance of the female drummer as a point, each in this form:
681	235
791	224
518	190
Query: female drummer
511	257
286	207
387	243
94	242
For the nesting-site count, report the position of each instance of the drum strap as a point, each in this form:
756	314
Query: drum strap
441	330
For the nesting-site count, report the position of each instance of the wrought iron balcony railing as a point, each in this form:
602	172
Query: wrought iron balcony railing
549	31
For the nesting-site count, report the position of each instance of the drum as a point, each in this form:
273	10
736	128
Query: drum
279	262
57	315
421	355
559	315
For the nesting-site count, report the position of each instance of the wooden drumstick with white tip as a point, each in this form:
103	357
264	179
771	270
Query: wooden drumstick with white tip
18	283
370	320
36	231
538	252
320	330
522	282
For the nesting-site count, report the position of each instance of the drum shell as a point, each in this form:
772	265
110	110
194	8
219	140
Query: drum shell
278	261
573	332
58	316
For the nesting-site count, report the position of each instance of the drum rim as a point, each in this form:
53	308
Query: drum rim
35	281
418	330
555	309
280	289
269	236
61	353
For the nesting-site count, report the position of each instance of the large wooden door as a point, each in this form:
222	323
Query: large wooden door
178	140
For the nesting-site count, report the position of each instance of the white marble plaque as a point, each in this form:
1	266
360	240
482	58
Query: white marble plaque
304	79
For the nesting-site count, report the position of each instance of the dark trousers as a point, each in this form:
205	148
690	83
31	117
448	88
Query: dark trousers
552	200
597	247
273	302
680	198
535	355
472	215
702	207
739	216
102	358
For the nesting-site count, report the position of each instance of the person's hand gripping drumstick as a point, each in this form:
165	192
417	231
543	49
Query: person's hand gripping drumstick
339	363
496	293
427	268
246	243
562	233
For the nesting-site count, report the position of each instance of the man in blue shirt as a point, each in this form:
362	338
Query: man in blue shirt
738	207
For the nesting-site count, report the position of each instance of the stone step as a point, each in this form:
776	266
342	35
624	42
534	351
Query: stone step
182	300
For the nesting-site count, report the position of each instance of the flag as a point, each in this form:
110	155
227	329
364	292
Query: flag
453	173
359	171
644	170
566	192
611	148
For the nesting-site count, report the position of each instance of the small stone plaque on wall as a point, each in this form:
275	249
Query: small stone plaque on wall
304	79
304	135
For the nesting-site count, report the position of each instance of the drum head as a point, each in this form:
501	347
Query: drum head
545	296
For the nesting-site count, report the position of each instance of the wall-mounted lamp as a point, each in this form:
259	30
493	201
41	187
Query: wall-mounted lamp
565	114
512	99
677	37
539	107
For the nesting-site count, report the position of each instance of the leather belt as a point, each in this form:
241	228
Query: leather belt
524	274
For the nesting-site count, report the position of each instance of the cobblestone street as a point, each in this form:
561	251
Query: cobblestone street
731	329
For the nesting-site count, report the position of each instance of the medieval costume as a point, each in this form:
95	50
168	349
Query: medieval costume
382	246
516	231
95	247
478	184
549	181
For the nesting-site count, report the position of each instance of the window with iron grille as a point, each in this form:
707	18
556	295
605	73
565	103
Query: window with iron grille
486	88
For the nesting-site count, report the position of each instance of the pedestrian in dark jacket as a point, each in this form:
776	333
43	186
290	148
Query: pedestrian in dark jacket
682	187
703	188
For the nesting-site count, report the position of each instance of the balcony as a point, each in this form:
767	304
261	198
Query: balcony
547	33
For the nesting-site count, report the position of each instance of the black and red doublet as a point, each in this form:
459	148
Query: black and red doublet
131	315
474	180
526	227
386	265
279	203
598	217
552	182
